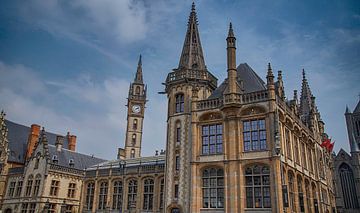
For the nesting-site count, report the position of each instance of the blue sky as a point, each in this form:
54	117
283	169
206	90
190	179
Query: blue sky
67	65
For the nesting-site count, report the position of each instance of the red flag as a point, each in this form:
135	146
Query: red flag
331	147
326	143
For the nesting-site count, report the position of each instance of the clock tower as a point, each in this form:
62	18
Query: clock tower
135	114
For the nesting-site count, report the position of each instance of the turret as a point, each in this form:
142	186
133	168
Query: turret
231	62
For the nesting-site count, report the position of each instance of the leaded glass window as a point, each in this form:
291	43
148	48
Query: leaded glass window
213	188
132	193
179	103
254	135
90	195
148	194
103	195
257	184
212	139
117	195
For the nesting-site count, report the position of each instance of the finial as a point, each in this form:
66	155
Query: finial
193	7
303	74
295	95
279	75
140	62
269	67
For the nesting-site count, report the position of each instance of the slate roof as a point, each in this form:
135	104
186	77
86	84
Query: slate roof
18	136
81	161
151	160
251	81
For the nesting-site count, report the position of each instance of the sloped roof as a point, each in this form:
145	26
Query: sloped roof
18	137
251	81
81	161
357	108
150	160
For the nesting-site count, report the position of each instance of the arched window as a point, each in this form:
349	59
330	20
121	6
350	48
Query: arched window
135	123
133	139
132	153
148	194
37	184
301	195
19	188
103	195
179	103
29	185
291	192
257	183
137	90
308	195
132	194
348	187
37	160
90	188
117	195
213	188
162	186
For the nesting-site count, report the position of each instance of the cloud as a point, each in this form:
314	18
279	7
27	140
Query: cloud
94	111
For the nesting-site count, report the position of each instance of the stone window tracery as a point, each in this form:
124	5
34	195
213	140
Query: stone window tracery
148	194
117	195
103	195
257	184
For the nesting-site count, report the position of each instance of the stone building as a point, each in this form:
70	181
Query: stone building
241	146
347	166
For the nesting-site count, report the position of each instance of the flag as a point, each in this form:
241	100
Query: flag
331	147
326	143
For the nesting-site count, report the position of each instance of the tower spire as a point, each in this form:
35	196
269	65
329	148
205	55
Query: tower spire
306	105
231	61
192	55
138	76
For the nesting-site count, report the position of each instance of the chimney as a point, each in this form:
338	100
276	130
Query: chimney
71	141
121	154
59	142
32	140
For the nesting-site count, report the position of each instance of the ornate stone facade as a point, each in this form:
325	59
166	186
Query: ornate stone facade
347	166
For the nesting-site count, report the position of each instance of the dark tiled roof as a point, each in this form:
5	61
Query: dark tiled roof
141	161
81	161
357	108
18	136
251	81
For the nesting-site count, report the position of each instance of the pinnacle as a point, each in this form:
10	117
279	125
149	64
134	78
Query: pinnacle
231	31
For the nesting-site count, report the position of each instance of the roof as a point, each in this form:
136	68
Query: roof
357	108
250	80
151	160
81	161
18	137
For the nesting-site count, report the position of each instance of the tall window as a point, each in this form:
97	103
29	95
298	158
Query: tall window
254	134
213	188
311	163
178	134
24	207
117	195
288	144
148	194
103	195
177	162
212	139
132	193
348	187
291	192
301	195
90	188
19	188
69	209
176	191
303	154
162	185
71	190
29	185
296	150
135	123
32	208
11	189
137	90
257	183
179	103
37	185
308	198
52	208
132	153
133	139
54	188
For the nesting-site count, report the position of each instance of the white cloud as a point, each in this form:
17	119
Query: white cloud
94	111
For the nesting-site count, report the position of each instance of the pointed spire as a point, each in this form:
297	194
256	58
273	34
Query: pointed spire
306	103
231	61
192	55
295	98
270	75
231	31
138	76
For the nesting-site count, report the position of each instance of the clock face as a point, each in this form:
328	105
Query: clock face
136	108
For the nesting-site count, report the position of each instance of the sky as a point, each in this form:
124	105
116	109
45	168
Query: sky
67	65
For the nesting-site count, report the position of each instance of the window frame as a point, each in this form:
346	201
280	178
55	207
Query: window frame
254	137
148	194
179	103
257	179
213	188
212	140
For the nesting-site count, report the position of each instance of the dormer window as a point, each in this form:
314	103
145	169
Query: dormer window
55	159
71	163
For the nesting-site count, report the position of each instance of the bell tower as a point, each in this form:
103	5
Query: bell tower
135	115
